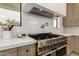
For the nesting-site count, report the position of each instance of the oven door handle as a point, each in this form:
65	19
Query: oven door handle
49	53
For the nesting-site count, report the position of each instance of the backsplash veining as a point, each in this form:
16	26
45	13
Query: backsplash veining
32	24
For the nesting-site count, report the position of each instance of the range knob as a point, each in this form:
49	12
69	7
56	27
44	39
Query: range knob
47	47
50	46
44	48
55	45
40	49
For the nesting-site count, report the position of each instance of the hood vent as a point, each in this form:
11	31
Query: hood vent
36	9
41	12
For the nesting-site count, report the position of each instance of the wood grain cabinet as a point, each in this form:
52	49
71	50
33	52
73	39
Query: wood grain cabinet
73	44
33	50
72	18
77	44
28	50
9	52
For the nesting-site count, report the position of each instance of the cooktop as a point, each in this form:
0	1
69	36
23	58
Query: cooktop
41	36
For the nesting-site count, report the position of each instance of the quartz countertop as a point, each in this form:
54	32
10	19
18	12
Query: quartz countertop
15	42
70	34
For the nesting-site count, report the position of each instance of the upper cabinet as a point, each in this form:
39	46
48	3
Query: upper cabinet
72	18
57	7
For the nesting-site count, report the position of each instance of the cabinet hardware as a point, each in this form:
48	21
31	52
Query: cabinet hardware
27	50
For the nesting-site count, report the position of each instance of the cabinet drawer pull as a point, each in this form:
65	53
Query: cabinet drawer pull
27	50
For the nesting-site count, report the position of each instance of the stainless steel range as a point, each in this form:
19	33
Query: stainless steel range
50	44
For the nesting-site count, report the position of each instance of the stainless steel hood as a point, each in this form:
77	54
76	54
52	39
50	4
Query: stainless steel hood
40	12
33	8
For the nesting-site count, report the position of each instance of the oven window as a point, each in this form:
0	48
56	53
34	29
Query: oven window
61	52
48	55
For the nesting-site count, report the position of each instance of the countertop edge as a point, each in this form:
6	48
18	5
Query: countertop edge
16	45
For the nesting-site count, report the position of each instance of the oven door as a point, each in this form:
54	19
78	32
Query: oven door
51	53
62	51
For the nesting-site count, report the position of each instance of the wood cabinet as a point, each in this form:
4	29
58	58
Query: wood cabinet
33	50
9	52
28	50
76	13
72	18
73	44
77	44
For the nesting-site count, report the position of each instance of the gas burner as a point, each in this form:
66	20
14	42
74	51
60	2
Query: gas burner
42	36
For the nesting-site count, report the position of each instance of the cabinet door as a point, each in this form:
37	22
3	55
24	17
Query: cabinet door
71	44
69	20
72	18
77	44
76	13
28	50
9	52
33	50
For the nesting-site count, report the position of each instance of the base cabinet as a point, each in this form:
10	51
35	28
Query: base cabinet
28	50
73	44
77	44
9	52
33	50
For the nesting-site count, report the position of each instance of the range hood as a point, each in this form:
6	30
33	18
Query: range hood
41	12
36	9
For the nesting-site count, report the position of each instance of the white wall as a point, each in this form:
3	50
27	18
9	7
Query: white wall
72	30
58	30
57	7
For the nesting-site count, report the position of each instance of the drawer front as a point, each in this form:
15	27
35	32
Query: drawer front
33	50
10	52
77	44
29	50
24	51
